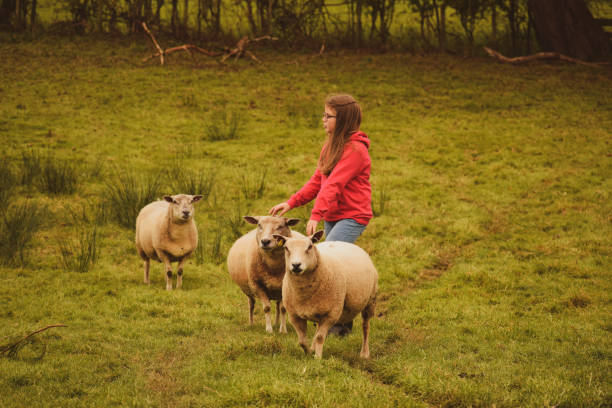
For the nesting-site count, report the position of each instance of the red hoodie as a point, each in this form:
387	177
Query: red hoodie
346	192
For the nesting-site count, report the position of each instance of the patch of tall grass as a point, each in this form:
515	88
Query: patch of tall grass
31	167
93	212
7	181
58	176
185	180
220	127
252	184
234	220
19	223
380	201
213	245
126	193
80	252
198	254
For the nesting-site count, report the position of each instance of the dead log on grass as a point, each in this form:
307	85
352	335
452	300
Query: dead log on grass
539	56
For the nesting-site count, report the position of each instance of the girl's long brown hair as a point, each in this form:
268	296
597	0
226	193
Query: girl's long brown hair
348	120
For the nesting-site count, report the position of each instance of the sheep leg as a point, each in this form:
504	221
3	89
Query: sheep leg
167	269
301	327
147	265
366	315
179	273
319	339
276	318
283	316
261	294
251	307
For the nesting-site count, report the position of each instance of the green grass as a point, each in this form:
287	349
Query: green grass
493	240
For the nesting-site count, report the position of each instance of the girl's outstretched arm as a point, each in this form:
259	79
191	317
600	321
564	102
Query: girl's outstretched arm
308	192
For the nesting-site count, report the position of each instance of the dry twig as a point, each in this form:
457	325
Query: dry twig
12	348
538	56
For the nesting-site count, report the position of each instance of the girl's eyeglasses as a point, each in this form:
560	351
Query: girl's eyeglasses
326	116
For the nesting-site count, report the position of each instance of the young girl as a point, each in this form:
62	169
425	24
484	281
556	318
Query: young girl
341	182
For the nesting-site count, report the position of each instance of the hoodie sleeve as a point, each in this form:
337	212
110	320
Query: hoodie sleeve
307	192
346	169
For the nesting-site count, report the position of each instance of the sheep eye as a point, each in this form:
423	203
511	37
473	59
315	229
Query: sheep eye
259	226
309	247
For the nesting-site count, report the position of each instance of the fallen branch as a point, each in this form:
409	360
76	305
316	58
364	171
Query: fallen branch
240	48
186	48
159	49
161	52
538	56
12	348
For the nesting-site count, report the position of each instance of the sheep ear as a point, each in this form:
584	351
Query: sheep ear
169	199
316	237
292	221
280	240
251	220
196	198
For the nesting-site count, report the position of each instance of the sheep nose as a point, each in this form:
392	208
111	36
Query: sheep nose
296	265
186	214
265	242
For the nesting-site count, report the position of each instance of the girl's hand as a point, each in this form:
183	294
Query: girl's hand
280	209
311	227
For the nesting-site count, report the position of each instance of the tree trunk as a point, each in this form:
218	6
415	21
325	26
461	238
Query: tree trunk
441	23
33	16
174	19
358	13
18	14
185	23
493	22
567	27
160	4
512	21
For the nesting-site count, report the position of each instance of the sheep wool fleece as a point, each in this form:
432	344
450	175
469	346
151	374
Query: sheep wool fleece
346	192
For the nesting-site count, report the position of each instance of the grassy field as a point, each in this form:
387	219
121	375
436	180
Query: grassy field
492	237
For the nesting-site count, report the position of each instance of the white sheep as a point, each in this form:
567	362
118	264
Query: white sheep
257	265
166	232
327	283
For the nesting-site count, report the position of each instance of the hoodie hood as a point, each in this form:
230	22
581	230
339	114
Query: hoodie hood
359	136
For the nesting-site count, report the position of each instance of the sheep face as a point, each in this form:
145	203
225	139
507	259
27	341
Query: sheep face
267	226
300	253
182	206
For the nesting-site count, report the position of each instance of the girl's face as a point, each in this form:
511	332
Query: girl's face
329	120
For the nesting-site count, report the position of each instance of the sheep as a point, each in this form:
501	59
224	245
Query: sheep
327	283
257	265
166	232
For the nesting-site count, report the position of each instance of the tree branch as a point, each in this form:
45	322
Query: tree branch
161	52
159	49
12	348
539	56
